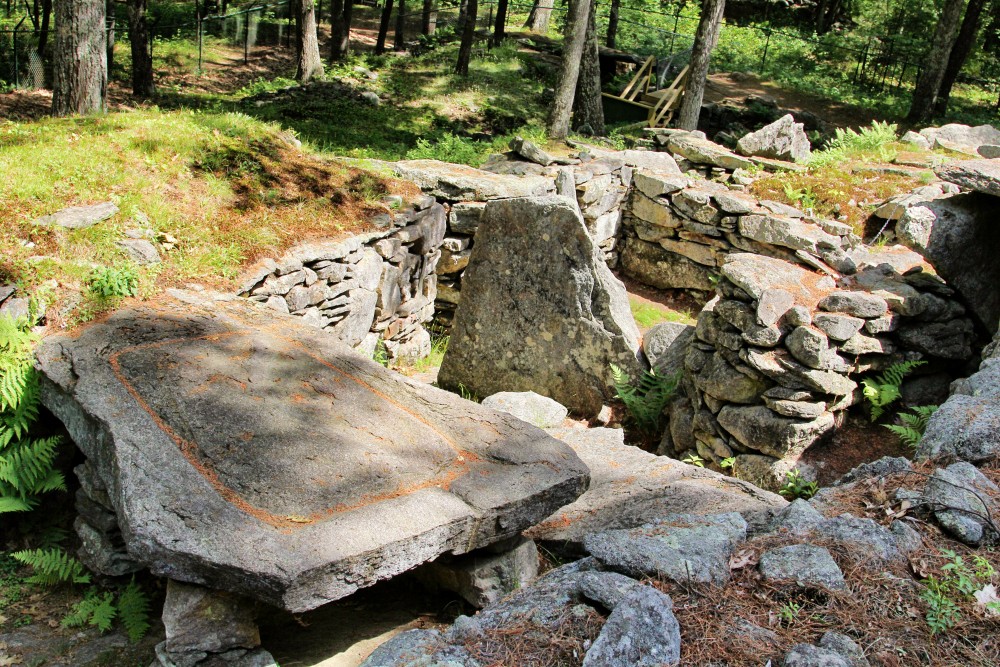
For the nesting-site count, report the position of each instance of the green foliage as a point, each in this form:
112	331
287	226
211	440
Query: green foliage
646	399
96	609
101	609
52	566
26	464
914	423
789	612
959	582
870	143
380	355
648	315
133	610
883	390
449	148
112	282
797	487
728	462
804	197
694	460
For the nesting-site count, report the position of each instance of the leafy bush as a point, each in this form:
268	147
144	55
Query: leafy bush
112	282
26	463
448	148
883	390
646	399
914	424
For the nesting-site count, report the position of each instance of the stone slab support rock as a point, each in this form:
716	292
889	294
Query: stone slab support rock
484	576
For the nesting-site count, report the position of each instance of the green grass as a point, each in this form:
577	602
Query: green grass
223	185
648	315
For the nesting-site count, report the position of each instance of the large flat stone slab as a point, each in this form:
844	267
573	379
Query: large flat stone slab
245	451
456	182
630	487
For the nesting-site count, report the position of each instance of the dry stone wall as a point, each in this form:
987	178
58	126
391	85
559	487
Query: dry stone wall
778	353
365	289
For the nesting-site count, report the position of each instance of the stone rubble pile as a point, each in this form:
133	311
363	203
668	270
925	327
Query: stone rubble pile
777	355
367	289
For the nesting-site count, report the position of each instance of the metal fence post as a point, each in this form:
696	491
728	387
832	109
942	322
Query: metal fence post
200	47
16	77
246	37
767	44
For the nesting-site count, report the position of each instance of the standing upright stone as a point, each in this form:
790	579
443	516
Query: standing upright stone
540	309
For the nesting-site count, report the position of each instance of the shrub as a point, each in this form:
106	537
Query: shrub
870	143
113	282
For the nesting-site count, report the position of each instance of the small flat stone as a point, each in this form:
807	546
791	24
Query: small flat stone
808	566
537	410
78	217
641	632
858	304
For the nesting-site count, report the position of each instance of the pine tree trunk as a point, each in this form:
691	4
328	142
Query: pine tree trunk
310	63
500	24
540	16
138	37
400	37
569	71
929	83
463	10
966	40
383	27
468	37
345	35
80	67
587	107
336	30
705	40
425	18
613	23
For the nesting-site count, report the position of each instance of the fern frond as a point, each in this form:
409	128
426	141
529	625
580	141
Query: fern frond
133	610
911	431
646	399
52	566
11	503
94	609
28	467
884	389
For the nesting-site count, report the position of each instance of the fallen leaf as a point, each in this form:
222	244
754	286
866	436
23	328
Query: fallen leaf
742	558
987	600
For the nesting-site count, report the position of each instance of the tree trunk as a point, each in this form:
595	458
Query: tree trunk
540	16
463	10
400	37
959	53
109	39
926	92
500	25
336	30
569	71
705	40
138	37
613	23
468	37
80	67
345	35
43	33
587	108
425	18
819	16
383	27
307	43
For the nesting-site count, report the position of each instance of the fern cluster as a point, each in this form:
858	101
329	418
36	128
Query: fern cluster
884	390
646	399
100	610
52	566
872	142
26	464
914	423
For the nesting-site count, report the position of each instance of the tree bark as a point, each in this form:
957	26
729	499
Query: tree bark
400	36
336	30
569	71
138	37
383	28
587	107
612	36
705	40
500	24
468	37
310	64
463	10
43	33
345	35
540	16
964	43
80	67
425	18
926	92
